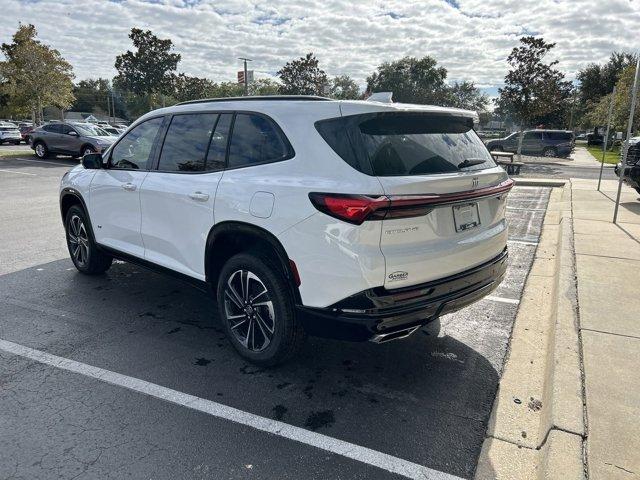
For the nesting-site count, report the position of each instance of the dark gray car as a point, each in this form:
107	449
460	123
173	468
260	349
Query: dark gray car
548	143
75	139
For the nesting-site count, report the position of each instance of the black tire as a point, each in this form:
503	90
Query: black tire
549	152
16	142
85	255
277	319
87	149
40	149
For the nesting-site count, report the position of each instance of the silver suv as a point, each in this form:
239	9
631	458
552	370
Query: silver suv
75	139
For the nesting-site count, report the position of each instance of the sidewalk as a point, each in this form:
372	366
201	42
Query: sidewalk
580	157
608	273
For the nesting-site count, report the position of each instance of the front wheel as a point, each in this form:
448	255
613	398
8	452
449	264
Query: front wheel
87	150
256	308
86	256
549	152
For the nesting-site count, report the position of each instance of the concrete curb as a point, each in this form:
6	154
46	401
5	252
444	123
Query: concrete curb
540	182
536	428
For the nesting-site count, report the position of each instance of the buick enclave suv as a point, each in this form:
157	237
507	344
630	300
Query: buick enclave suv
355	220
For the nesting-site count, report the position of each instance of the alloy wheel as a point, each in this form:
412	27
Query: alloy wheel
79	240
40	150
249	310
87	151
549	153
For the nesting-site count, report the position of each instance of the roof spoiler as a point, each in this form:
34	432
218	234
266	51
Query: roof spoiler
382	97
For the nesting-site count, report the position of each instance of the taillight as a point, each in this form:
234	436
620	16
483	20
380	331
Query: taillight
350	208
358	208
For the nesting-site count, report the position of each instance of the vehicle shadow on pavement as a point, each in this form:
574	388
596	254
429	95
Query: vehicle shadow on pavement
425	399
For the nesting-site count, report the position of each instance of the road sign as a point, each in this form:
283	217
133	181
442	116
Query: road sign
249	76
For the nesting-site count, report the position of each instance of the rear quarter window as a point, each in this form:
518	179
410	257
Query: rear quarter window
402	144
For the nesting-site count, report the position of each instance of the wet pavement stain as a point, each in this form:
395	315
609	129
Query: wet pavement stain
202	361
279	411
307	391
317	420
282	385
247	370
174	330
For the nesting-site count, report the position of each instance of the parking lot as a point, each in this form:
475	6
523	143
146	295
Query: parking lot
416	408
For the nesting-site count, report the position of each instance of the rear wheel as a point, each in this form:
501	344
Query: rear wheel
256	308
86	256
549	152
41	150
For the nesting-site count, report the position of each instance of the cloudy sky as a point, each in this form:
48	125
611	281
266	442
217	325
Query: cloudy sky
471	38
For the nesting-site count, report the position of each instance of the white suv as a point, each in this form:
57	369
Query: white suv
350	219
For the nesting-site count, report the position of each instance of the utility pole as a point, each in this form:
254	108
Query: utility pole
246	75
625	152
606	137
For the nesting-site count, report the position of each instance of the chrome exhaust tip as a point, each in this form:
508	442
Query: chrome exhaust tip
397	335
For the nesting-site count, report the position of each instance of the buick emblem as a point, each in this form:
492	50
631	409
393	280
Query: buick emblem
474	182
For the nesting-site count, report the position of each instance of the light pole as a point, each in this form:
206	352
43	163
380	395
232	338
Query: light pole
246	76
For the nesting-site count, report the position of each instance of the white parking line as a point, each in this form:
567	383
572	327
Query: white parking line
528	209
502	300
522	241
349	450
19	173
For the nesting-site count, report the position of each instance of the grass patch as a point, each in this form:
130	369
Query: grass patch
611	156
14	153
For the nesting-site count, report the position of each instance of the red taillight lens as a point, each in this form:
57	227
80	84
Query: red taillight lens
350	208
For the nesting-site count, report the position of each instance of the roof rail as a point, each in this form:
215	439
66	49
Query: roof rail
312	98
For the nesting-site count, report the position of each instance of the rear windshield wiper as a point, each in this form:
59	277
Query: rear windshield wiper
470	162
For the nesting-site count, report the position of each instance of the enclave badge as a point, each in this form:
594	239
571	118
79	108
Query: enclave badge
398	276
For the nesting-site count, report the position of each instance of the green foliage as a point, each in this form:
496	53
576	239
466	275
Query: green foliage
343	87
303	77
33	75
534	92
597	114
150	69
466	95
264	86
411	80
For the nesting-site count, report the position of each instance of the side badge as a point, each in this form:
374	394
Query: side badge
395	276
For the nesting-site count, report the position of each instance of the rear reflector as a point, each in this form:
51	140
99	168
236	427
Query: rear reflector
358	208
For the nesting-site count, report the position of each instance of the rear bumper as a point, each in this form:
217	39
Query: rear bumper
380	313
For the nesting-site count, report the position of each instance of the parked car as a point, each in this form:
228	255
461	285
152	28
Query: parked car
75	139
632	167
355	220
548	143
25	133
9	133
594	138
113	131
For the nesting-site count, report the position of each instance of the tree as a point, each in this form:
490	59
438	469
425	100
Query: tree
264	86
34	75
186	88
466	95
303	77
534	92
411	80
598	113
150	69
343	87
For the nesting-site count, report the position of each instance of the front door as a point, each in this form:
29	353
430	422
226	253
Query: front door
177	199
114	205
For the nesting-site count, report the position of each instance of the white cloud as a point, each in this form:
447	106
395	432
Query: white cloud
471	38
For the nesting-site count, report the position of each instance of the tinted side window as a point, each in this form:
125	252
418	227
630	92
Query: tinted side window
566	136
65	129
186	142
52	128
218	147
134	150
532	136
256	139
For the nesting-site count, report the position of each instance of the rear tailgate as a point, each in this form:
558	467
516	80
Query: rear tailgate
447	195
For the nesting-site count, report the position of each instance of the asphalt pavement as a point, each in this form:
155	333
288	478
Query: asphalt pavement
402	409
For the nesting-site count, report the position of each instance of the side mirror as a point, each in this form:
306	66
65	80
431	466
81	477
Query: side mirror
73	133
92	161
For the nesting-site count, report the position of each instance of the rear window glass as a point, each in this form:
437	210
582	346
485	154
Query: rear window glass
401	144
256	139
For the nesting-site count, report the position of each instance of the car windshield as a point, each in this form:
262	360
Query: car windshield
91	130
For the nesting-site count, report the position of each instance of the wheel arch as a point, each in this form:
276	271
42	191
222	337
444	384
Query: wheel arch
70	197
230	237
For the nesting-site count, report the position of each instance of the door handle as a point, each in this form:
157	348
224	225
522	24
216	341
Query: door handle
130	187
199	196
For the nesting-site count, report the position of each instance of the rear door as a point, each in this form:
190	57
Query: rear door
436	171
177	198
